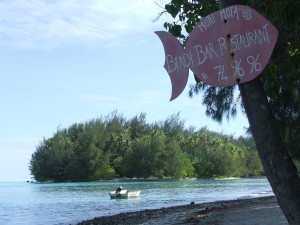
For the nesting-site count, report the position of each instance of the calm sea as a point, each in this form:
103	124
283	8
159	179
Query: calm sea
69	203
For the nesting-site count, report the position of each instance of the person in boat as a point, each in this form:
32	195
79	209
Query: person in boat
119	189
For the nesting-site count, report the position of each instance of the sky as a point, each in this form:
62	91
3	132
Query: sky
64	62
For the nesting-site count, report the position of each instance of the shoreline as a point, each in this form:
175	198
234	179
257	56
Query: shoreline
262	210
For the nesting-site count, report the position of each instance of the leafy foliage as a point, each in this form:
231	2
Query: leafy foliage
281	78
115	147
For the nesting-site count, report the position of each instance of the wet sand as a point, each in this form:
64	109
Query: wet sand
256	211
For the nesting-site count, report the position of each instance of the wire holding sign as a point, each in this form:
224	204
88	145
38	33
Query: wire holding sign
228	47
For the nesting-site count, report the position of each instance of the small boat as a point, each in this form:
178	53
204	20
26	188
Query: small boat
125	194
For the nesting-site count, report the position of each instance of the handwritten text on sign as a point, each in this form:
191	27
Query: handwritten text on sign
228	47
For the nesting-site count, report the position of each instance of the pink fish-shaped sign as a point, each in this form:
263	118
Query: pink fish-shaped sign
228	47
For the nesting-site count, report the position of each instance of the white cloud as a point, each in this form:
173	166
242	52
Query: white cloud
44	24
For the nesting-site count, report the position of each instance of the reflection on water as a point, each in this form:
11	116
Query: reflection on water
65	203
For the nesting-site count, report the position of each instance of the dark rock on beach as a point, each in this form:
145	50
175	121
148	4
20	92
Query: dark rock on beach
260	211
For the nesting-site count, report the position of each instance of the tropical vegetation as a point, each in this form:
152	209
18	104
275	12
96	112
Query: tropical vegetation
115	147
271	101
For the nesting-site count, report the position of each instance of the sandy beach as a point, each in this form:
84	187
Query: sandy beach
256	211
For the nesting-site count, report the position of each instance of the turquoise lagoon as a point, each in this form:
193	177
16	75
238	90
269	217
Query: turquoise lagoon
69	203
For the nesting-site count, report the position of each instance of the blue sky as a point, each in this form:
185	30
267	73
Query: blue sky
64	62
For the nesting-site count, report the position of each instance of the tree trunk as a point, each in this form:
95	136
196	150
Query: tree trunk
278	165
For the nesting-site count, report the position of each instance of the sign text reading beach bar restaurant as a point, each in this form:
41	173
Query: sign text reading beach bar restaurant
228	47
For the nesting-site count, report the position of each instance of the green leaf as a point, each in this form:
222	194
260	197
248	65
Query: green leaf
172	9
176	30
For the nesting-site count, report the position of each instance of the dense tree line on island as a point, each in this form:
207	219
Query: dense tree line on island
114	147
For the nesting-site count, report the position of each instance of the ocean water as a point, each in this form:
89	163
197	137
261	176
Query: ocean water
69	203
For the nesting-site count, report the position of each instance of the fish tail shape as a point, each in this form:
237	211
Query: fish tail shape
175	62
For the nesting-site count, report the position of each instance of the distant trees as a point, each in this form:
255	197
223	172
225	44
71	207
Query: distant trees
113	147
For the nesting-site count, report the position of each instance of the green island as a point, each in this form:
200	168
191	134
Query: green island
115	147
